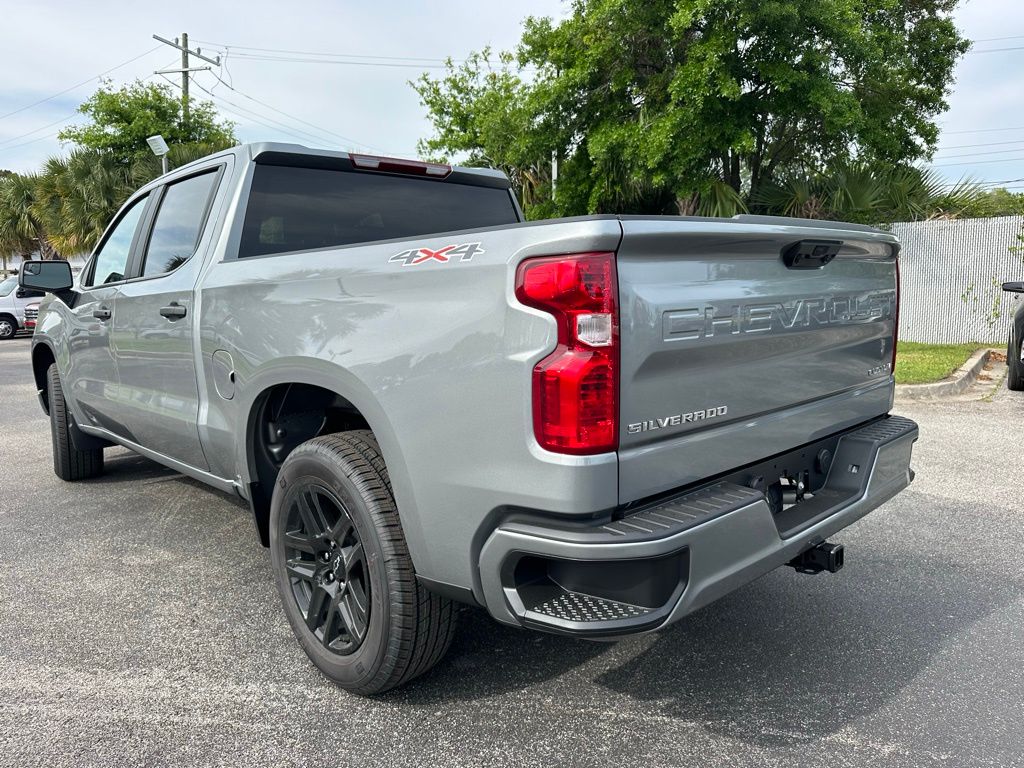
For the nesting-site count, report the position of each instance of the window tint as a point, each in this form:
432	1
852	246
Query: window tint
294	209
178	224
112	260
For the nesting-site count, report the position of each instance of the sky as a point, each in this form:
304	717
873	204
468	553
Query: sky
359	98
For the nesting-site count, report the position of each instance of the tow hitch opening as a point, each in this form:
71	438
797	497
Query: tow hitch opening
821	557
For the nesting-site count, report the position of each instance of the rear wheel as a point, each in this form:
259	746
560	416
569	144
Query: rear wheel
1015	366
69	463
343	569
8	327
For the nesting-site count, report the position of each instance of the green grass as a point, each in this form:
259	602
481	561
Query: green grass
918	363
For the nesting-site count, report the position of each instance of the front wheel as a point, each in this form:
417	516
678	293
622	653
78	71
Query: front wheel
69	463
343	569
8	327
1014	365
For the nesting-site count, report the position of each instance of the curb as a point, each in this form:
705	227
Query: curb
956	384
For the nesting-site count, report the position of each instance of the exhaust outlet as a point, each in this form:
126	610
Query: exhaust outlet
821	557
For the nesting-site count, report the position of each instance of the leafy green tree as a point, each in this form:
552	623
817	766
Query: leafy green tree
122	119
693	106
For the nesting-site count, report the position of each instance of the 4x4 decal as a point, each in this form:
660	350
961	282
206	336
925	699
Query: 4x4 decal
414	256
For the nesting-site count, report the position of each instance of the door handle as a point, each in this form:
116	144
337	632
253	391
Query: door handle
174	311
101	314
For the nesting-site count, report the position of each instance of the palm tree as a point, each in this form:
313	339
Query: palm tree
79	195
21	232
862	192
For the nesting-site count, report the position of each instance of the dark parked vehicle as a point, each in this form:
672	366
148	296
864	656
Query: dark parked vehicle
1015	346
588	426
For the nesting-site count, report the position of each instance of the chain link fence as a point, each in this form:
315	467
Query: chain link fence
951	272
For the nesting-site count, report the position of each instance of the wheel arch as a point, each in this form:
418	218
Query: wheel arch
314	385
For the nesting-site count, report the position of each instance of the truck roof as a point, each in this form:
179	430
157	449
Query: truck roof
284	153
281	153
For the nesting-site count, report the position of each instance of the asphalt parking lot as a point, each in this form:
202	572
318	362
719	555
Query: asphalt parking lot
139	626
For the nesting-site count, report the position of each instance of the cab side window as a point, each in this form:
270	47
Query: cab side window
178	224
111	260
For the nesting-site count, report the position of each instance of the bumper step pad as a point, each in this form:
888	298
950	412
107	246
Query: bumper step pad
684	511
577	607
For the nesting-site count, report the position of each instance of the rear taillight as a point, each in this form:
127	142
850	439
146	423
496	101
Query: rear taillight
896	316
575	388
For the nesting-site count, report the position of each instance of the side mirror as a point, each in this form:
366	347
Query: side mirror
1014	287
48	276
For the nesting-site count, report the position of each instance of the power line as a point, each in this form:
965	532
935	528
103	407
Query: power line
40	128
31	141
982	154
268	122
986	144
79	85
350	62
985	130
981	183
54	134
321	53
982	162
288	115
995	39
998	50
324	57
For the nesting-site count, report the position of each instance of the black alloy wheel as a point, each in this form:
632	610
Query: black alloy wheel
326	566
343	569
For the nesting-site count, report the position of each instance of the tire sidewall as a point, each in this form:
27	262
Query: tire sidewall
58	408
1015	372
362	665
7	322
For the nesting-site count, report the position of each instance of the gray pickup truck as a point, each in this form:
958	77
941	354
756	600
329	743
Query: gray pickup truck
589	426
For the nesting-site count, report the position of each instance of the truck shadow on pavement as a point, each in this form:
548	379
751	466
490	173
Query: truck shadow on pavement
788	660
128	467
793	659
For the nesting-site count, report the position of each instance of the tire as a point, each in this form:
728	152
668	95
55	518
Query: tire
1015	368
8	327
343	570
69	463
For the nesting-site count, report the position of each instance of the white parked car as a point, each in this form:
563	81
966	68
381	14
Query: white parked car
13	301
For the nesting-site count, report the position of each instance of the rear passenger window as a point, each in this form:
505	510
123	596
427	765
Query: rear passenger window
179	223
297	209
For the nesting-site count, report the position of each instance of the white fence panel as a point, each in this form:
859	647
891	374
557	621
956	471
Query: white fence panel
951	272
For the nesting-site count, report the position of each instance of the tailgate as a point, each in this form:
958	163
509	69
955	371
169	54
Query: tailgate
731	355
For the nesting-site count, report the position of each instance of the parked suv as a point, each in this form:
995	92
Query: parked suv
588	426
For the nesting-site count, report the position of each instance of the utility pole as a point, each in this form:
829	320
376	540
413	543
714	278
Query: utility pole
184	78
182	45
